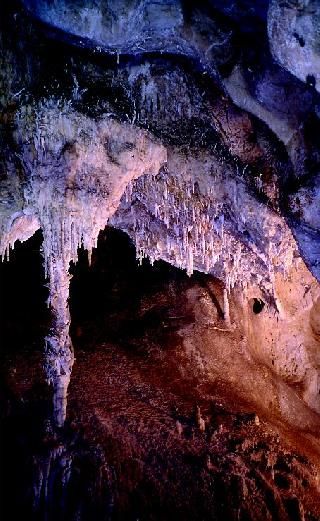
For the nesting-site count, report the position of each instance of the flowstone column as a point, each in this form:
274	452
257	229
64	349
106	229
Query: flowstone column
59	355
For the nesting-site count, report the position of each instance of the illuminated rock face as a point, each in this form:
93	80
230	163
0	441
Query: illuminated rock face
207	160
198	223
293	29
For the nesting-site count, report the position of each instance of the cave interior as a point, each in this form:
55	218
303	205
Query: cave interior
160	246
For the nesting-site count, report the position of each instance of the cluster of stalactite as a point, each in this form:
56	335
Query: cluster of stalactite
204	226
76	171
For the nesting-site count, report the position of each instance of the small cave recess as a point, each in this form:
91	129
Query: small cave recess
257	305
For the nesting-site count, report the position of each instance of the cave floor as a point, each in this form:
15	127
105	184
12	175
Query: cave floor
133	406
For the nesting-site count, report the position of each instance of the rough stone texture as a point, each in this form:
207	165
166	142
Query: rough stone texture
183	235
294	33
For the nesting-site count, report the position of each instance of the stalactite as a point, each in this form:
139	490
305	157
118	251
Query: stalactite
72	195
194	224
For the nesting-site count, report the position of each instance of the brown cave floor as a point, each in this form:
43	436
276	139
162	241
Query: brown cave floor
235	469
133	448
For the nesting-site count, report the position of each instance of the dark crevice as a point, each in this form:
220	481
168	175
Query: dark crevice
24	316
257	305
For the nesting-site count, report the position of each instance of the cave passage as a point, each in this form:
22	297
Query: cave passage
105	298
166	366
50	474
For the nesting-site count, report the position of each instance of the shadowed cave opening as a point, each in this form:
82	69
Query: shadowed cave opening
116	299
100	294
24	315
257	305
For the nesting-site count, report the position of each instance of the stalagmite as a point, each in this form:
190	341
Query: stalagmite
200	421
226	308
